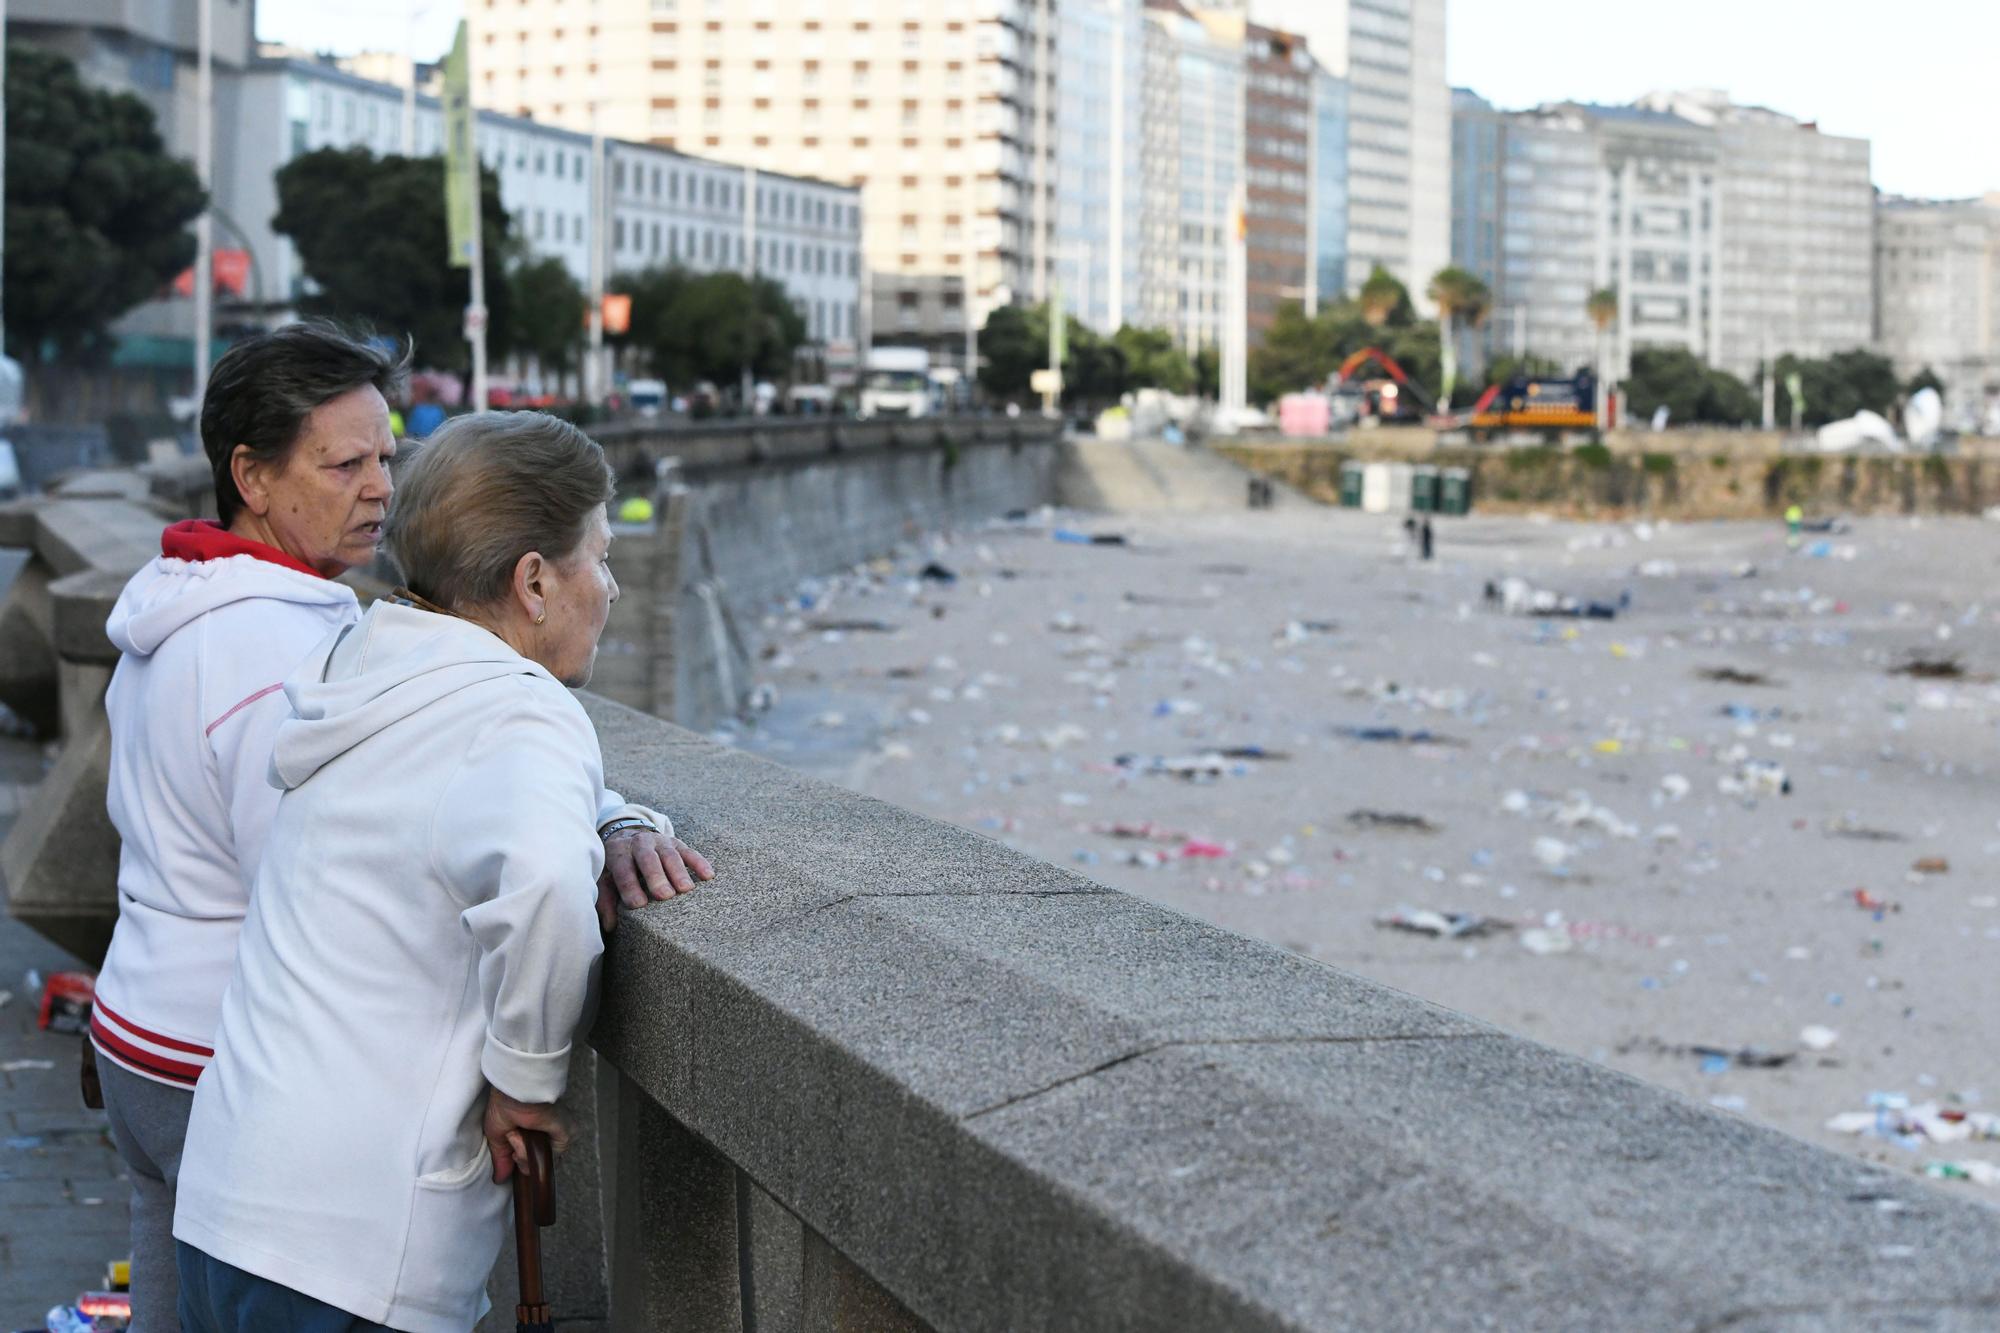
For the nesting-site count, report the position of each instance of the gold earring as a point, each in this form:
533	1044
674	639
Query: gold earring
540	618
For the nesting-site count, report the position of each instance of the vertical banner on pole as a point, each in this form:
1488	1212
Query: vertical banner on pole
461	202
461	195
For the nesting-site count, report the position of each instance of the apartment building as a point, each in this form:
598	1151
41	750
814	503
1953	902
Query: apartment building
1797	228
1192	145
1938	297
942	114
1101	172
1277	168
1329	187
661	207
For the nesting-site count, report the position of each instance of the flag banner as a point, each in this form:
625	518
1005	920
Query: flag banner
461	156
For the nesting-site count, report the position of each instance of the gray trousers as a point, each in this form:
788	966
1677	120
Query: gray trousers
148	1124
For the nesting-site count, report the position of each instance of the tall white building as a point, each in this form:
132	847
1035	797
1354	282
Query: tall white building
1938	297
1797	232
1100	205
1391	53
1192	149
942	112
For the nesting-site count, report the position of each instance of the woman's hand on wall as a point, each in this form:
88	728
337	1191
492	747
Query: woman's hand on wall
642	866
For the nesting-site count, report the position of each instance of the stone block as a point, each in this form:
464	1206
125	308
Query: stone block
60	859
80	604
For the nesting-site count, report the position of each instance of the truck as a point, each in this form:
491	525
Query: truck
895	382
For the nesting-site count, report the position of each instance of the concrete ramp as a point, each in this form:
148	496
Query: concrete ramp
1138	476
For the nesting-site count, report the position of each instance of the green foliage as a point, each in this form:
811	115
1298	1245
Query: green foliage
370	232
552	308
1385	300
1658	465
1692	392
1300	353
689	327
1460	294
1602	307
1152	360
1838	386
1592	455
1015	343
1503	368
1208	372
96	212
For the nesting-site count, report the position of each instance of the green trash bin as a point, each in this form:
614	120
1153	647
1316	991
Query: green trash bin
1424	489
1455	492
1350	485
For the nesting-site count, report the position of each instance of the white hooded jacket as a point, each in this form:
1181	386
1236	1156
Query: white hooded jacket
424	924
209	630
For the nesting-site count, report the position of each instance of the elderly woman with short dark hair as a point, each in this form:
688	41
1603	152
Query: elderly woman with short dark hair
422	937
296	427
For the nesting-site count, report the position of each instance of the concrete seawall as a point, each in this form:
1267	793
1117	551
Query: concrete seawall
745	515
1606	482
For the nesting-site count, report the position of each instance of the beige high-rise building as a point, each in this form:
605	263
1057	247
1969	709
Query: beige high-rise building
1937	275
941	110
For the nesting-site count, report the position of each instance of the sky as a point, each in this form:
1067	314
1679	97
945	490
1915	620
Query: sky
1920	78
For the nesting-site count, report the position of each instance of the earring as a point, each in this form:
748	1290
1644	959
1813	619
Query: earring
540	618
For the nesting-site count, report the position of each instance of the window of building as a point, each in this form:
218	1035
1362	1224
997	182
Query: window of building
559	226
618	234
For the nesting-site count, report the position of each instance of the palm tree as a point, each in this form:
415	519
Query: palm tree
1457	293
1381	295
1602	306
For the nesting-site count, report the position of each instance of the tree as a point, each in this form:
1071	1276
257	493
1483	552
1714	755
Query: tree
1602	307
1458	293
1503	368
1691	391
1384	299
1300	353
370	232
710	326
1838	386
1208	372
1924	379
552	308
1153	361
1012	347
96	212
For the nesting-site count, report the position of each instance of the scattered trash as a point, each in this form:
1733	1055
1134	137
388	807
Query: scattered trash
1390	820
1754	778
1395	736
937	573
1542	940
1845	827
1868	902
1075	538
1443	925
1931	668
1734	676
1931	865
1891	1116
1714	1059
66	1001
1979	1173
832	626
16	1066
1817	1038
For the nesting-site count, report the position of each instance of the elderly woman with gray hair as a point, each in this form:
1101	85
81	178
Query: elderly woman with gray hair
423	932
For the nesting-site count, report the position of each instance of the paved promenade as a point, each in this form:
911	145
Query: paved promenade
63	1207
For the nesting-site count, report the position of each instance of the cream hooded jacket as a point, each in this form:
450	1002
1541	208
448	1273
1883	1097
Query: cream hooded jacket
208	631
423	924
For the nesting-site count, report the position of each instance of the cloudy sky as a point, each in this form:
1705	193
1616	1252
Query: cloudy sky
1921	78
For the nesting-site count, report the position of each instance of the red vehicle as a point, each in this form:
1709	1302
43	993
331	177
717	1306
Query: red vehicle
1396	398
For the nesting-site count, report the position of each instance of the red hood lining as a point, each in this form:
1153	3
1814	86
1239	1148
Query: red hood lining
205	539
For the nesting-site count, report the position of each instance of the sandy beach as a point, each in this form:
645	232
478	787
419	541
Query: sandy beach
1286	724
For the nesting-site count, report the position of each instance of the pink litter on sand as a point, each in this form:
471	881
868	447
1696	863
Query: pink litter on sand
1194	847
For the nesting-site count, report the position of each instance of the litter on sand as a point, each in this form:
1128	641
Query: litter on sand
1395	736
1931	865
834	626
1391	820
1890	1115
1978	1173
1735	676
1443	925
1074	538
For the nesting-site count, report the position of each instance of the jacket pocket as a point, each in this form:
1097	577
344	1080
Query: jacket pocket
457	1177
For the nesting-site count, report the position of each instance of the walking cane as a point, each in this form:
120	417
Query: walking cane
534	1208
